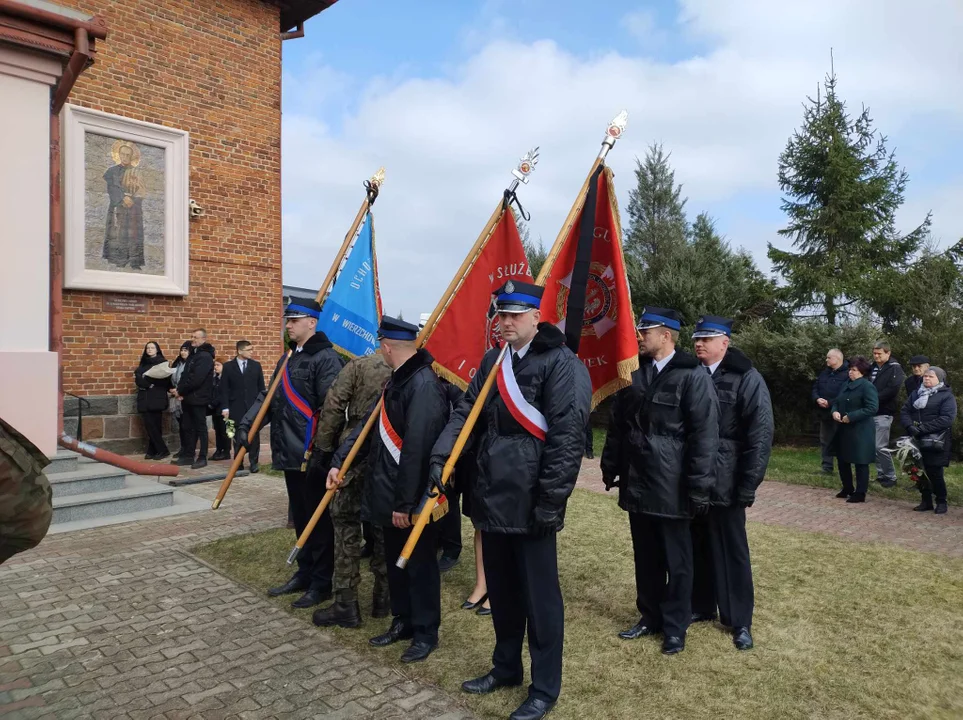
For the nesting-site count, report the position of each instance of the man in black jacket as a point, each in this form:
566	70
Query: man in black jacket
660	451
723	574
414	412
887	376
195	391
313	366
825	390
529	441
241	382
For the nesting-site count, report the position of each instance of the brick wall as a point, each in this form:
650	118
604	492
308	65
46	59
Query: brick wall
213	69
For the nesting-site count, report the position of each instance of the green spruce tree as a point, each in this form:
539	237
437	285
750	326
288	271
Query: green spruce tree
842	189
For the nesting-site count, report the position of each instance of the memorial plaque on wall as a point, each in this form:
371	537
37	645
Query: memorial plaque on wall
124	304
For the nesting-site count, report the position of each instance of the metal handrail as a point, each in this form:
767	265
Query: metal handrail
80	413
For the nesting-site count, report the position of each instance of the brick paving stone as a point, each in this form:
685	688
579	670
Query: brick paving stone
818	510
120	622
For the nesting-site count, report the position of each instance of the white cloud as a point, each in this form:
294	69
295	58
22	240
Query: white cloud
448	143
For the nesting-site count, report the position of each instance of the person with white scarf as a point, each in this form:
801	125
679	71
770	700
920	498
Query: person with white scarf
928	416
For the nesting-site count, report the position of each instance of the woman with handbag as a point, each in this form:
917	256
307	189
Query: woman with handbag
928	416
152	378
854	442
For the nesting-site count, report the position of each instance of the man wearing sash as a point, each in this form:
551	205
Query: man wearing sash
660	451
529	441
313	366
414	412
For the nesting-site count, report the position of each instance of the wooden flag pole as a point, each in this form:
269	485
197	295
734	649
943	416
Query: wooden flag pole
613	132
521	174
374	185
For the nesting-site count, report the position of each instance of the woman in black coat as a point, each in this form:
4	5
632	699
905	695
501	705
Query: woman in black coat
152	400
928	416
854	442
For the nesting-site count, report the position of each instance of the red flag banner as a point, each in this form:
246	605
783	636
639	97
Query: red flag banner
468	326
608	346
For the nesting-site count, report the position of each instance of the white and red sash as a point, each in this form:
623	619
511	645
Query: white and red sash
389	436
525	414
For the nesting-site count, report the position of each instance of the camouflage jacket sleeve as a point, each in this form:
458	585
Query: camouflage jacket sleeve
334	411
26	502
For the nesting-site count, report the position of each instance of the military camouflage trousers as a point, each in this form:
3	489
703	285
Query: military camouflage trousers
346	515
26	502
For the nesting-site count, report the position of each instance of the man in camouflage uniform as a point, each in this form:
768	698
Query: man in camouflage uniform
26	501
349	401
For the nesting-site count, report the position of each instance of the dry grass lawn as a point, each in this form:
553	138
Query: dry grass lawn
842	630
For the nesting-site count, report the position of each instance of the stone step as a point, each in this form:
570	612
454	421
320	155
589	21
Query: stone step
137	497
87	479
64	461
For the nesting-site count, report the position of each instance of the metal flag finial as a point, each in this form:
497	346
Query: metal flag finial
526	165
379	177
613	132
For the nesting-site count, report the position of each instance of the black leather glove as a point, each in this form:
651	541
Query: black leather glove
700	506
435	472
914	429
240	437
611	481
745	499
546	522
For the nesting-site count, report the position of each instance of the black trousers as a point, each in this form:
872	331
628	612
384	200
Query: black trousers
316	559
449	536
222	443
522	575
862	477
937	482
155	435
723	572
663	572
416	590
195	425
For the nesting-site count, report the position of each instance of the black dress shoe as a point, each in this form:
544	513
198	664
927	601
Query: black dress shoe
255	468
161	456
311	598
672	645
741	638
488	683
532	709
640	629
924	506
703	617
179	460
446	563
417	652
346	615
397	631
843	494
199	463
887	483
293	585
483	611
940	508
469	605
856	498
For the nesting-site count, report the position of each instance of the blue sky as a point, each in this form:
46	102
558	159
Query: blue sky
447	95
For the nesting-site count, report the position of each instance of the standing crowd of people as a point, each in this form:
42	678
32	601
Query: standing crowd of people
857	401
192	387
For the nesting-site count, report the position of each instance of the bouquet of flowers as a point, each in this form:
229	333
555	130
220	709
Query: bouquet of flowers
908	459
229	428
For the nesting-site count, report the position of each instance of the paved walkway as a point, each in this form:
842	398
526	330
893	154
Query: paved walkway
118	622
818	510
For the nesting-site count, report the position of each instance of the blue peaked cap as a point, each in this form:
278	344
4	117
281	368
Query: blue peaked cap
395	329
516	296
712	326
653	317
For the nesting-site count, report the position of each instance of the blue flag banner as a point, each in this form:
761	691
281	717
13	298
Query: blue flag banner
351	314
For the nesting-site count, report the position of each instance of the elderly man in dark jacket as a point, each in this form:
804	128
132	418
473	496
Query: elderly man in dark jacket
195	391
312	368
723	574
414	413
528	441
825	390
660	451
887	376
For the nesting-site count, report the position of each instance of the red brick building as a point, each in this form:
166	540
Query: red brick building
212	69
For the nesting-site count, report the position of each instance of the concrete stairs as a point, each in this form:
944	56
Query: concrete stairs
90	494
